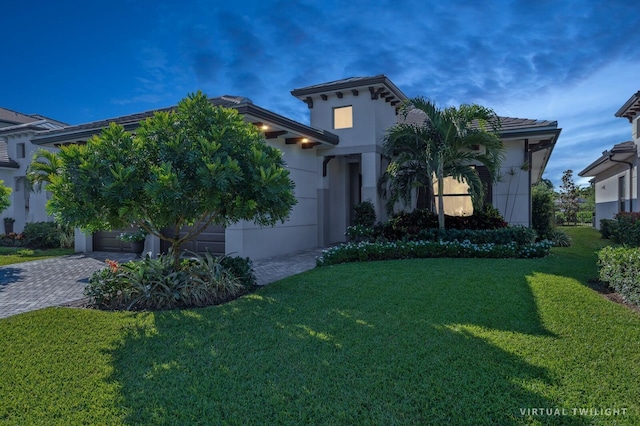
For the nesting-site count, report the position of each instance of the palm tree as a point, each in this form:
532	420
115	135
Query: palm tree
44	166
442	143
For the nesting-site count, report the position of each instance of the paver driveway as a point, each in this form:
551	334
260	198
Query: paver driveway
61	280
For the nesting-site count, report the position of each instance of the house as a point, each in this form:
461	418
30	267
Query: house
615	172
335	162
16	150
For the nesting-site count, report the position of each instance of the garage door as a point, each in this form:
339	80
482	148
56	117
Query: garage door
108	241
211	240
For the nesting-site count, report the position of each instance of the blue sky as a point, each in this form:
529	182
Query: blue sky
575	62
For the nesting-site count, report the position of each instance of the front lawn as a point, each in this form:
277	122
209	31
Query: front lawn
11	255
422	341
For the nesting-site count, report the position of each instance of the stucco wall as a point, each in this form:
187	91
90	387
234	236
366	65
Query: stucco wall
511	194
607	195
371	119
300	231
606	210
15	179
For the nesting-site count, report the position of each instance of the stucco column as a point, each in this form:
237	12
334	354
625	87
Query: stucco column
83	243
323	219
370	166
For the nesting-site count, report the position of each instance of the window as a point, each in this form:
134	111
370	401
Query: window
343	117
20	150
456	198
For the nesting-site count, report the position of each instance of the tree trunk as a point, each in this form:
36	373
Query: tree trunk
175	247
440	197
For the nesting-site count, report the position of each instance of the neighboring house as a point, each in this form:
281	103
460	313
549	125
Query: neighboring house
615	173
16	150
335	163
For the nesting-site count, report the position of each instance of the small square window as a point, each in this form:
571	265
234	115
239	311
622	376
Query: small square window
343	117
20	150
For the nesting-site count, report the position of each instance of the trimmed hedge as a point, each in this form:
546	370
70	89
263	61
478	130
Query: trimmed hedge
607	228
620	269
627	229
367	251
517	234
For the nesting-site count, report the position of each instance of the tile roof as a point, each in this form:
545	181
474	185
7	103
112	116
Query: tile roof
5	161
134	119
130	122
11	117
508	124
38	126
349	81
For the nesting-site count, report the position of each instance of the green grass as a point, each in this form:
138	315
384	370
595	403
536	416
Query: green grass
11	255
425	341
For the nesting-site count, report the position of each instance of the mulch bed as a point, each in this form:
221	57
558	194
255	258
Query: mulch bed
611	294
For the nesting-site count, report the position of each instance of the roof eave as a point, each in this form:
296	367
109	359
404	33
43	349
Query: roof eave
530	132
604	158
244	108
548	146
263	114
342	85
11	164
624	110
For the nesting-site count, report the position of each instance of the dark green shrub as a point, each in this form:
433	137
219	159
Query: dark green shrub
517	234
45	235
408	225
542	210
627	229
241	268
359	233
365	214
404	225
479	220
12	240
607	228
620	269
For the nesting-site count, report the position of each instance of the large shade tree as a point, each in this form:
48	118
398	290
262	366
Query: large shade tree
194	166
440	143
5	196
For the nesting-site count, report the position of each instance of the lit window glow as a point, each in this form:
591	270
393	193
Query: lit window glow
343	117
456	198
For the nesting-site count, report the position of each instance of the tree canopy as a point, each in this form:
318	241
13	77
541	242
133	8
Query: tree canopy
196	165
569	197
447	142
5	196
